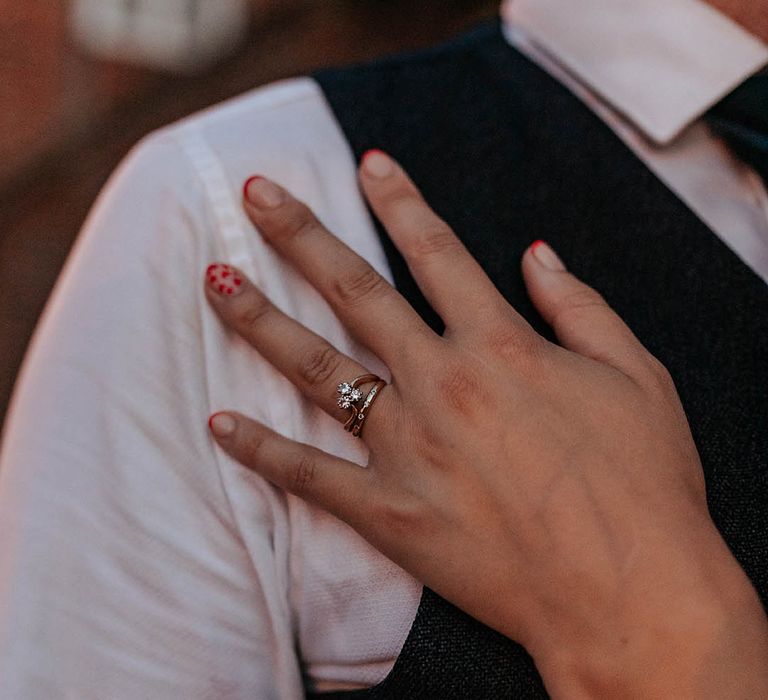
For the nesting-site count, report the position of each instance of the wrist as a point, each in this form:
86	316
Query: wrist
706	638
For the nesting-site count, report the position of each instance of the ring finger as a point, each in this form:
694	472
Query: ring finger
309	361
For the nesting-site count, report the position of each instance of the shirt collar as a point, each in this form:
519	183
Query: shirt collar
661	63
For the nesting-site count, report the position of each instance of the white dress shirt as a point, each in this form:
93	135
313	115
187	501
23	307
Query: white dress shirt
136	558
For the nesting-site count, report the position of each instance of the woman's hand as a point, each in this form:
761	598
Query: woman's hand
554	493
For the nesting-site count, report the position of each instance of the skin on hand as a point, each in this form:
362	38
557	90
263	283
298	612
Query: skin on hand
554	492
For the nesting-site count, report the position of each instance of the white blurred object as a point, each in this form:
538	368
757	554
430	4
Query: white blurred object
175	35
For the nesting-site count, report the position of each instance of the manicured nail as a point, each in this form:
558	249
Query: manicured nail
262	193
247	184
224	279
222	424
547	257
378	164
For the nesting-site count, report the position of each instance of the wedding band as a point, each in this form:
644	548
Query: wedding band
362	414
350	395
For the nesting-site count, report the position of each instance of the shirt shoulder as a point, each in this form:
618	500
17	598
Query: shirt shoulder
285	131
173	162
267	103
274	128
289	126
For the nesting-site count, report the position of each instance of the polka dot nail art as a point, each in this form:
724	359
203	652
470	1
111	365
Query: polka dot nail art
224	279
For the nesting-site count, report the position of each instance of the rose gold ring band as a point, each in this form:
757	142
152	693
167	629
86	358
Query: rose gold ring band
350	395
362	414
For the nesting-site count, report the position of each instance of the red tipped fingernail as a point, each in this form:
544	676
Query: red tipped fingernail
263	194
377	164
224	279
248	182
222	424
547	257
370	152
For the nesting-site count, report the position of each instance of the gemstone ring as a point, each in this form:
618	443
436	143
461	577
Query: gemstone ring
350	395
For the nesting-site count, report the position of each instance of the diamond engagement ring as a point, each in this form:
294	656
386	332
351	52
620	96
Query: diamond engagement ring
350	395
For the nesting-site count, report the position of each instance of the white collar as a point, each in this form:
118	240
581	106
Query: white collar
660	63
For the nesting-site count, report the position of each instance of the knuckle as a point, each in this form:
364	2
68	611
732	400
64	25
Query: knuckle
657	376
396	193
358	284
433	240
295	222
576	304
320	365
460	389
509	342
400	517
583	297
254	313
255	443
302	474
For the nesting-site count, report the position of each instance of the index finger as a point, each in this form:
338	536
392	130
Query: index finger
364	301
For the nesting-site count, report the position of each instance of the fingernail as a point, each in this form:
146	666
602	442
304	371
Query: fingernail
224	279
222	424
262	193
547	257
378	164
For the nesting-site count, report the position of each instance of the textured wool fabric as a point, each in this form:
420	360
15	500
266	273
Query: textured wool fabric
506	155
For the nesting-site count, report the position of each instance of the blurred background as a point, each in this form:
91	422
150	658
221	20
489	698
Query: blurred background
82	80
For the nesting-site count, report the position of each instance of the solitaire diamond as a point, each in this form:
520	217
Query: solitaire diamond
348	395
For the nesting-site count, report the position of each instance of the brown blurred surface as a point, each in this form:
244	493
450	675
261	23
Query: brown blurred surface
66	121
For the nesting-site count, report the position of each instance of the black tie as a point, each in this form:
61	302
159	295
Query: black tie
741	119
